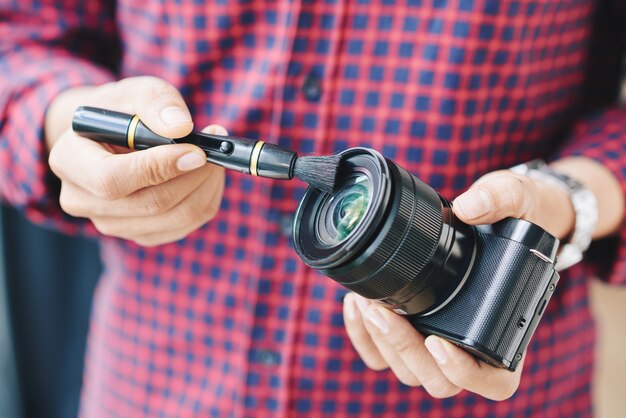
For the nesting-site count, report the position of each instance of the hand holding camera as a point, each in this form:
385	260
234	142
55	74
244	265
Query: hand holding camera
463	283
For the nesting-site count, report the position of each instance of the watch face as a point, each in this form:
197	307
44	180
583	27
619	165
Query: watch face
585	208
567	257
585	205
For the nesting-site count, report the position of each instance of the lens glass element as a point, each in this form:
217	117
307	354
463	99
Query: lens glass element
350	208
340	214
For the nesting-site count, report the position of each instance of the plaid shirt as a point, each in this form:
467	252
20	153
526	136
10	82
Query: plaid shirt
228	322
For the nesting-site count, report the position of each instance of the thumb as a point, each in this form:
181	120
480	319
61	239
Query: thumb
154	166
495	197
159	105
123	174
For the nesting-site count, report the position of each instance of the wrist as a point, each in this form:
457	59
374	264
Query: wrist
581	199
605	187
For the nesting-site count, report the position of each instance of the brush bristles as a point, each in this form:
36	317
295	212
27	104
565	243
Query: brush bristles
319	172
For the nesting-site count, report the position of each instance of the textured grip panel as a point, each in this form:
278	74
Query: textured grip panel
406	246
499	300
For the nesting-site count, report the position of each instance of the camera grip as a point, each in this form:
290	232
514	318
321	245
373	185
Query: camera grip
495	314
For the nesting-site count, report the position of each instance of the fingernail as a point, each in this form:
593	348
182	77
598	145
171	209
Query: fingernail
473	203
376	318
174	115
350	308
362	303
216	130
436	349
190	161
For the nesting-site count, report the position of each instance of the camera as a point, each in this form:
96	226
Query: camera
388	236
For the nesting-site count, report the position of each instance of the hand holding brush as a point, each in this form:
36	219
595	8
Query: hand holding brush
248	156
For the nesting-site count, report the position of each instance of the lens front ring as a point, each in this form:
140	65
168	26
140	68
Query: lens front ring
408	250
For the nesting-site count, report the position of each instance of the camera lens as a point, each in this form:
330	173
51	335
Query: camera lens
340	214
385	235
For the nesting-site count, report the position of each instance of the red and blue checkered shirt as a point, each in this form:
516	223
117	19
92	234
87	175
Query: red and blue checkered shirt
228	322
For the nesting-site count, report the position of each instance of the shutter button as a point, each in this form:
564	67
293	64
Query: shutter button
312	88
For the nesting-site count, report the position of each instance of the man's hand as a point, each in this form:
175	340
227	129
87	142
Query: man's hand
151	197
386	340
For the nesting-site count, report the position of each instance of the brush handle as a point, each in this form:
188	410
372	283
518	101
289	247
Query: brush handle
241	154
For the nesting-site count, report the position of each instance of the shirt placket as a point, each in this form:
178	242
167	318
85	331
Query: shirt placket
300	114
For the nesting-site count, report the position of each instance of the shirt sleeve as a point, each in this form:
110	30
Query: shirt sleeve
603	139
45	47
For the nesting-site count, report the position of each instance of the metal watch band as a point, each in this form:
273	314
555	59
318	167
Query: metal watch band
585	209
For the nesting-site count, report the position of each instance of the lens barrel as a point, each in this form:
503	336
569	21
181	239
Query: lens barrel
407	250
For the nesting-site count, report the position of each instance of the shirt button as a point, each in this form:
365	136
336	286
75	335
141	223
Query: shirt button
286	225
312	88
268	357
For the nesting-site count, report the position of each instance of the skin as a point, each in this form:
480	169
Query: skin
151	197
384	339
162	194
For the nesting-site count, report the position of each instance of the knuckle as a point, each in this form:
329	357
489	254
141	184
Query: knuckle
375	364
148	241
153	172
104	227
507	390
187	214
401	342
144	83
407	378
148	80
69	204
150	95
212	208
54	161
155	200
58	151
512	193
440	388
107	186
155	91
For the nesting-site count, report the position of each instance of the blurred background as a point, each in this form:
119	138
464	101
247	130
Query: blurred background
46	285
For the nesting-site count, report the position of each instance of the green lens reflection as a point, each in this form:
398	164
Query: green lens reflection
351	205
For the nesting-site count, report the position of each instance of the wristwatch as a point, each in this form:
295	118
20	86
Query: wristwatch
585	208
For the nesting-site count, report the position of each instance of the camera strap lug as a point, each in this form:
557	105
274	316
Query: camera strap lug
542	256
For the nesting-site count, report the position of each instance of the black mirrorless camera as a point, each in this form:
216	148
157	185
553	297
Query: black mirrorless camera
388	236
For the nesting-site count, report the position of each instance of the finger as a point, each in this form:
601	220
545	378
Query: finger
148	201
144	202
195	210
359	336
113	176
495	197
396	364
215	130
158	104
408	344
468	373
152	239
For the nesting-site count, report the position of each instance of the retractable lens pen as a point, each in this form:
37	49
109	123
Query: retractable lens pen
245	155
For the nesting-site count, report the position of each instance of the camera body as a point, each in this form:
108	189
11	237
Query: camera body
497	309
388	236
